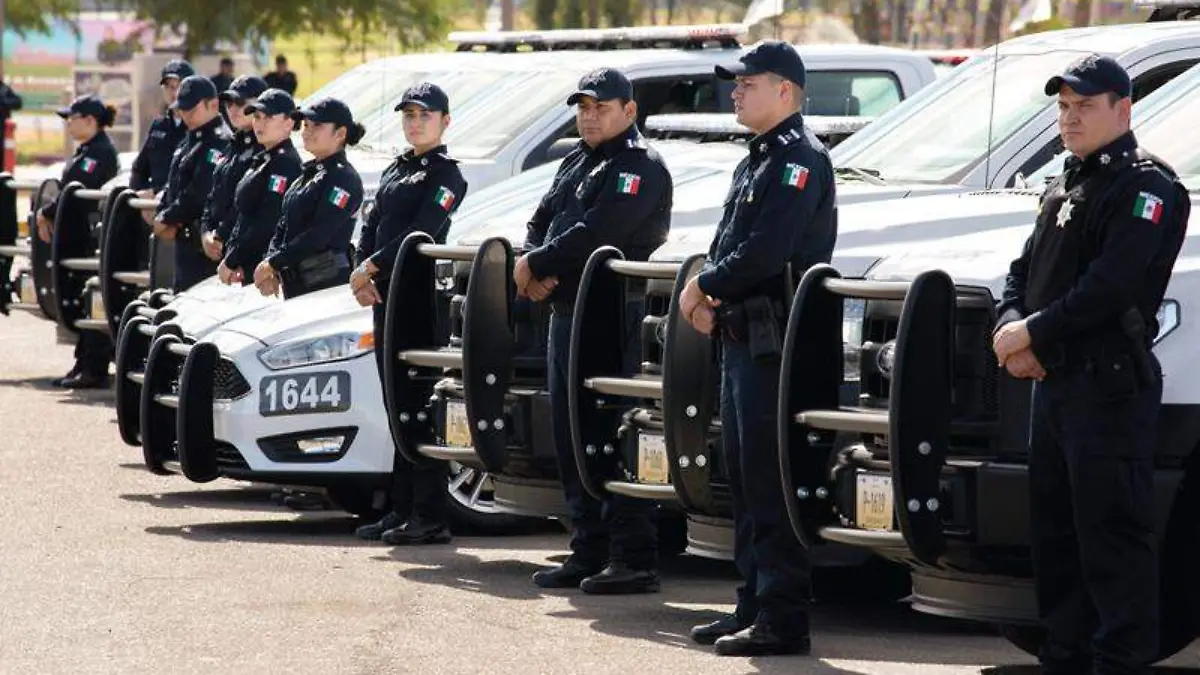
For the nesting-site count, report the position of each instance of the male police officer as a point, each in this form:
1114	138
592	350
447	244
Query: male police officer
780	211
1078	315
611	190
190	179
148	175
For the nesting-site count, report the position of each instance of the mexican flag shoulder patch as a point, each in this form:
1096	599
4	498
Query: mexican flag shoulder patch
277	184
628	183
1148	207
88	165
444	198
214	156
339	197
795	176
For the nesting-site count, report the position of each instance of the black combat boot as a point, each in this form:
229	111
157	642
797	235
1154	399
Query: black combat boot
620	579
417	531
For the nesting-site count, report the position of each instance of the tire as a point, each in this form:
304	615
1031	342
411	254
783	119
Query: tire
473	508
360	501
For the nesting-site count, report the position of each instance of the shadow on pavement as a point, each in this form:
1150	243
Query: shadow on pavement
305	529
235	499
1035	670
88	397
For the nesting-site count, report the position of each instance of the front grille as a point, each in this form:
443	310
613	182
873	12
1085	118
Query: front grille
228	382
229	459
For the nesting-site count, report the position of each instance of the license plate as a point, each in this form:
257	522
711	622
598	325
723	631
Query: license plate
458	429
652	459
874	504
28	291
304	394
97	306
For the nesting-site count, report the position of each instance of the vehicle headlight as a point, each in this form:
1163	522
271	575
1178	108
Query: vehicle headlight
1168	316
852	321
324	349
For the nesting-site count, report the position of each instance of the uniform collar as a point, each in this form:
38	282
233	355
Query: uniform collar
631	138
440	153
790	130
246	138
209	128
333	161
283	147
1123	146
99	139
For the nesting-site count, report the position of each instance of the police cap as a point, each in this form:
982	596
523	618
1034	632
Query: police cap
603	84
1092	75
88	105
769	56
176	68
194	90
327	110
427	95
244	87
273	102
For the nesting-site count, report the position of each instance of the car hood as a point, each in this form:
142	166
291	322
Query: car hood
210	303
321	312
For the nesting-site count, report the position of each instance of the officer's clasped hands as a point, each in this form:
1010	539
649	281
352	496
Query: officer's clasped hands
529	287
265	279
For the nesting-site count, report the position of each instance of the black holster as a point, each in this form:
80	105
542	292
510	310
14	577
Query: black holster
1134	327
754	321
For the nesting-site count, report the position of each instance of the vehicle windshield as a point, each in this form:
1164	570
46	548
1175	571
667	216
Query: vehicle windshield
1167	130
940	133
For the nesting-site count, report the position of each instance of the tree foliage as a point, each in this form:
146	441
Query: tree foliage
35	16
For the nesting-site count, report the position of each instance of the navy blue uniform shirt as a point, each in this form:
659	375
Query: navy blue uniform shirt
1108	231
220	216
616	194
416	193
318	212
781	208
260	195
191	177
152	165
93	164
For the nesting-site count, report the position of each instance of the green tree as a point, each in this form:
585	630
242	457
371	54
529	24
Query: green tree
35	16
543	13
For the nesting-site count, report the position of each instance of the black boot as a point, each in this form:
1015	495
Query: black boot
762	640
620	579
568	575
84	381
711	632
375	530
417	531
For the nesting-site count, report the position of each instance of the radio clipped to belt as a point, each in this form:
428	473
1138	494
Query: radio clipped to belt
756	322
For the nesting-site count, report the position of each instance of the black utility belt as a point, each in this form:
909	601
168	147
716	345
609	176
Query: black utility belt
1115	364
318	269
756	321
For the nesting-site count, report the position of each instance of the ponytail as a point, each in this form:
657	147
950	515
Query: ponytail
109	117
355	133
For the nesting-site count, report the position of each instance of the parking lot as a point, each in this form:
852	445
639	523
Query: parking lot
109	569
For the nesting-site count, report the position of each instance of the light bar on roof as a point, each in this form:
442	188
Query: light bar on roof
549	38
697	123
825	126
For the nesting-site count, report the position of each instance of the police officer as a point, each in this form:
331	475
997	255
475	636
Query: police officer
94	164
780	211
1078	316
148	174
418	192
310	249
191	178
613	190
261	190
220	215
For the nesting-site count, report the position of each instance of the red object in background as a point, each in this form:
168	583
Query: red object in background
10	145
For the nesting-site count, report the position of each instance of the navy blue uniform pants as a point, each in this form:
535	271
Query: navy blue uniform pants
1095	552
619	528
93	353
775	569
417	489
191	265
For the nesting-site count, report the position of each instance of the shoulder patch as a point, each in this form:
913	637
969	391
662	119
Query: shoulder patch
628	183
795	175
214	156
277	183
444	198
88	165
1148	207
339	197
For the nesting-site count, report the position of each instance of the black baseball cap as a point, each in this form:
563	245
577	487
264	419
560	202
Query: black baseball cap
427	95
1092	75
273	102
326	110
603	84
244	87
769	56
177	68
192	91
88	105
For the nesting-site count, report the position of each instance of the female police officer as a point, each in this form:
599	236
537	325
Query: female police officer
418	192
311	245
219	213
94	164
260	192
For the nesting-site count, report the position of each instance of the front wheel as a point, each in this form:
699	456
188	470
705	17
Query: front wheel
473	504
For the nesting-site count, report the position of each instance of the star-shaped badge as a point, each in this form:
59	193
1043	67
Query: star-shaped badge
1105	159
1064	213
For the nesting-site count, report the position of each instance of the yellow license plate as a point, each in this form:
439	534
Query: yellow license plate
28	292
97	307
458	429
652	459
874	502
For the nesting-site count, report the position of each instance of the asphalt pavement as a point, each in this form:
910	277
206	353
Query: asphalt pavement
105	568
